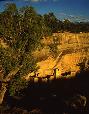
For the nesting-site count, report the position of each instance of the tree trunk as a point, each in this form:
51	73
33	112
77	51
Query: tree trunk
2	92
5	81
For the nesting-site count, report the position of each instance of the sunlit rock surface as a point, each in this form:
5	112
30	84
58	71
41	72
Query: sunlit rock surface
73	49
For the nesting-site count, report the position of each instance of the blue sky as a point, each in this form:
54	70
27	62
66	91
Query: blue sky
72	9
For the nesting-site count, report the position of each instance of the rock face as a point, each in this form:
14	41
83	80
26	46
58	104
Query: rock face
73	49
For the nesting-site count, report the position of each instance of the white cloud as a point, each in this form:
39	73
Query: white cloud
35	0
32	0
39	0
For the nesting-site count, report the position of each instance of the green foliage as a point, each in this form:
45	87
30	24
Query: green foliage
53	50
7	60
51	21
66	25
54	47
16	85
21	29
29	64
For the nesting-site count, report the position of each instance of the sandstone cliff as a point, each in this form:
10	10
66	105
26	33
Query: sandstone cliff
72	50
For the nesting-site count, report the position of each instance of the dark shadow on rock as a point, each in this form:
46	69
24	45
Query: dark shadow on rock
64	96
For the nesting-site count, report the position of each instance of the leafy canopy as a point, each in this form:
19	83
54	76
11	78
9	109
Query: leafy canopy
21	29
